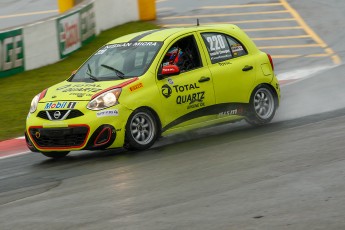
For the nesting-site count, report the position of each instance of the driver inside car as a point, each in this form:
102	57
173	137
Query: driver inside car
179	57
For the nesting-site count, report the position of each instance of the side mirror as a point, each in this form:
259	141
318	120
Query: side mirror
169	70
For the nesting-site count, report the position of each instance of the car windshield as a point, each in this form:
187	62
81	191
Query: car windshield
118	61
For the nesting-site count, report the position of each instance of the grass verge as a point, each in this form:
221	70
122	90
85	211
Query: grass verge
17	91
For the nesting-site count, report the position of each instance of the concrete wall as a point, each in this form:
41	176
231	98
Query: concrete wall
117	13
35	45
41	44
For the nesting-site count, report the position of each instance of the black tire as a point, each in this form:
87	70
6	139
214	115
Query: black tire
262	106
141	130
55	155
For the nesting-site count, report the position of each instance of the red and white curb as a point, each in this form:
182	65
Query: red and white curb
13	147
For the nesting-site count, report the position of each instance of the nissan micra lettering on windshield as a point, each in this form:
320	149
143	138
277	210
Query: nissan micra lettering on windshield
142	86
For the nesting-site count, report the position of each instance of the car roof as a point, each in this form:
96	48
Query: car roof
163	34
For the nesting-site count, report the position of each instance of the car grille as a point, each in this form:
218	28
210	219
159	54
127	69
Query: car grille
64	114
60	137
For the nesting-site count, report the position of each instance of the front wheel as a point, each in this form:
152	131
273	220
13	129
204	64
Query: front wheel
55	155
262	105
141	130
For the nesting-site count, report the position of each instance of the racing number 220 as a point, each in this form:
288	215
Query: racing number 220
216	42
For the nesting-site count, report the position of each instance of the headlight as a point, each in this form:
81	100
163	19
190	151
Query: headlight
36	99
34	103
105	100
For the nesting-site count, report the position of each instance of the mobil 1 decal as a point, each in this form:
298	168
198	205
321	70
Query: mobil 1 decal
60	105
217	47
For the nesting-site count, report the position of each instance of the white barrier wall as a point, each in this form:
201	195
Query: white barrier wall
46	42
41	44
115	12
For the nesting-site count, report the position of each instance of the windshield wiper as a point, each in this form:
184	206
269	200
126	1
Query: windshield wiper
118	73
90	75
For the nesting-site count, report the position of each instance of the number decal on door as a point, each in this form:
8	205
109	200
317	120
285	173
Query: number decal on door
216	42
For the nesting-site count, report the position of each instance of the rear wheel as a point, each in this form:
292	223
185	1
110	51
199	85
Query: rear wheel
55	155
141	130
263	106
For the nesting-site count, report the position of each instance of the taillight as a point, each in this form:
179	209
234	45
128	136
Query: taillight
271	61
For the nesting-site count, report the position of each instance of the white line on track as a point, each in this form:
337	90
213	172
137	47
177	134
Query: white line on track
15	155
301	74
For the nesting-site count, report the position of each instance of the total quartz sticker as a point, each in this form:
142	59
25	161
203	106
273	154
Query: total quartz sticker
108	113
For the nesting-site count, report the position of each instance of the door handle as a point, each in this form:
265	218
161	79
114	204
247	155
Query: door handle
247	68
204	79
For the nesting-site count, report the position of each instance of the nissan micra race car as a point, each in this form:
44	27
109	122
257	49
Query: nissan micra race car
149	84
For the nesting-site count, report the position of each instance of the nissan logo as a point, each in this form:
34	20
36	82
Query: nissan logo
57	114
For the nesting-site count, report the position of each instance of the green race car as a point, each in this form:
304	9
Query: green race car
149	84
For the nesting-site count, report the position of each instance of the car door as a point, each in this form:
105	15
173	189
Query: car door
231	66
184	96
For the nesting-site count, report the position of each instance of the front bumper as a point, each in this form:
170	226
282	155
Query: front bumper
93	130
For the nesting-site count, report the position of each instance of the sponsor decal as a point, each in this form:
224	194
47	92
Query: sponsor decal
232	110
228	113
129	44
187	87
190	98
60	105
11	52
195	100
126	44
135	87
221	54
236	48
224	63
81	94
224	108
108	113
217	47
166	91
196	105
80	88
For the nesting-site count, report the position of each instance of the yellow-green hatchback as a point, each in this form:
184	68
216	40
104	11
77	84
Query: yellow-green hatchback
149	84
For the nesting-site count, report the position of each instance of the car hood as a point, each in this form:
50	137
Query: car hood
81	91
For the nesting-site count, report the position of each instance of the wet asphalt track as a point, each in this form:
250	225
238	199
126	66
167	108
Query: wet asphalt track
286	175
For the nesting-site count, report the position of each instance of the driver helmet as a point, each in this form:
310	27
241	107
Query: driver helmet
173	56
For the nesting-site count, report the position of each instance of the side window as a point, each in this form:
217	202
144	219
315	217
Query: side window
217	47
184	53
237	48
222	47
